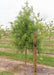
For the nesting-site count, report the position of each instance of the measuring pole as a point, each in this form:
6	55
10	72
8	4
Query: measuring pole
34	53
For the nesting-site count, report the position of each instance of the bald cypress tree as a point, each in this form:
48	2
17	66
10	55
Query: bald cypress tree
23	28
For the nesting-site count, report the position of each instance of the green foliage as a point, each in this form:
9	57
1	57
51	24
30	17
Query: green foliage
0	32
50	29
23	29
5	32
24	26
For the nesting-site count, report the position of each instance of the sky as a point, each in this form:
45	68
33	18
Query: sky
9	9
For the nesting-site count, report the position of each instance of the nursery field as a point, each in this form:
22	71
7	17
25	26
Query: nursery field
48	46
11	61
7	46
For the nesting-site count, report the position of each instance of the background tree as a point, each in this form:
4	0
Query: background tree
50	29
1	31
42	30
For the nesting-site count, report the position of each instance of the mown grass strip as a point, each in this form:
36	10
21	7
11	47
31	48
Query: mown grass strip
48	41
46	60
12	47
47	49
6	73
4	40
48	45
3	43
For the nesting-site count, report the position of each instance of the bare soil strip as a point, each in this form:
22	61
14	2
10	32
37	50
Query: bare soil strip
8	64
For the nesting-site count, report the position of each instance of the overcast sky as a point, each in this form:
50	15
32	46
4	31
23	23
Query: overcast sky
9	9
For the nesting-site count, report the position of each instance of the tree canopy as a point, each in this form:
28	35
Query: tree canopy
24	26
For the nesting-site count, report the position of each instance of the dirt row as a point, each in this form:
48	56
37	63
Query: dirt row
8	65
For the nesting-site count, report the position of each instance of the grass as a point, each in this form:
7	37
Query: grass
5	73
4	40
12	47
48	45
45	42
46	60
47	49
8	42
3	43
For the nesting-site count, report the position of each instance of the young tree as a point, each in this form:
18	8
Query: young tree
23	28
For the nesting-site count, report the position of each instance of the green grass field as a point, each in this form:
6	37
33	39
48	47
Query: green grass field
21	56
48	46
5	73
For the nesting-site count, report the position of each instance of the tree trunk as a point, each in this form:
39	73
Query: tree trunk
25	57
34	53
